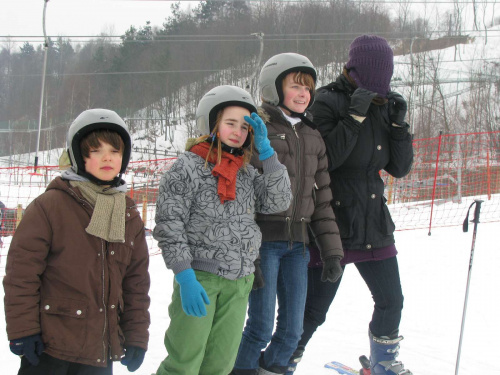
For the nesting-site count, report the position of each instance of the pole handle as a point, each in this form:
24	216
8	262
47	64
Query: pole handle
477	211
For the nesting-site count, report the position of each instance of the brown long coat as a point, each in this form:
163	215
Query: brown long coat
87	297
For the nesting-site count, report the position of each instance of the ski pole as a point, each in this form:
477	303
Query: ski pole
465	228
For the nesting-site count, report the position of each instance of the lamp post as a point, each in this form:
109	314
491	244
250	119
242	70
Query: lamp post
46	47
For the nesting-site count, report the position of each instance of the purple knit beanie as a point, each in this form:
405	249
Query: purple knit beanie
371	63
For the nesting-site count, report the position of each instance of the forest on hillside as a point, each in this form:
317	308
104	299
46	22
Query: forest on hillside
152	71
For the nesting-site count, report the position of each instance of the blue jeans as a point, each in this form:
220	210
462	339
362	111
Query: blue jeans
285	276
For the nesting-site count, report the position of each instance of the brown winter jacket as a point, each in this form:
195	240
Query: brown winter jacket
88	298
302	150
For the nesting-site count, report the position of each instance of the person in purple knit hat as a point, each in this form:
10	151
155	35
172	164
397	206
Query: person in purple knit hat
362	123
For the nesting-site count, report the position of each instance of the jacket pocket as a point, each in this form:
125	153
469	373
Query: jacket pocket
121	308
119	257
390	227
64	324
279	143
244	285
343	208
206	279
277	136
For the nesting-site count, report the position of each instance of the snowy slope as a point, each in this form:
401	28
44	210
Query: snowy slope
434	274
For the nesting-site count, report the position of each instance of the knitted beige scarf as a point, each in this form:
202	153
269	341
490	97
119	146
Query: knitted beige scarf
108	219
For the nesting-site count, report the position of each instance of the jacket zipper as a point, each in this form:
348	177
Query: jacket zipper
103	261
290	222
104	303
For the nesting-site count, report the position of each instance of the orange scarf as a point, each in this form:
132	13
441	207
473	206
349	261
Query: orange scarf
226	171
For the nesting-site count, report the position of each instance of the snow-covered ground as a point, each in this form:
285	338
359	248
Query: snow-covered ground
434	274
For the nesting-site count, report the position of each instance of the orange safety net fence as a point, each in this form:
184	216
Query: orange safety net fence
448	173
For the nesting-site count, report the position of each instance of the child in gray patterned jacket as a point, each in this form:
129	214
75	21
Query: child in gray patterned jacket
206	230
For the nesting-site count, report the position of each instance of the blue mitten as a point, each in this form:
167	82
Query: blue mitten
262	143
193	296
134	356
31	347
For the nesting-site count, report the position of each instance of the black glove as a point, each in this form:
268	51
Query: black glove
258	281
397	107
31	347
360	101
133	357
332	270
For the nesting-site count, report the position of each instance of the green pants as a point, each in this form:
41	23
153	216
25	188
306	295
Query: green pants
207	345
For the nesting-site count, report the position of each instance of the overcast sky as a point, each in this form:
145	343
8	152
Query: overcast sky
71	18
80	17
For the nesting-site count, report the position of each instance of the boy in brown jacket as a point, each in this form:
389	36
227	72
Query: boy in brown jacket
77	281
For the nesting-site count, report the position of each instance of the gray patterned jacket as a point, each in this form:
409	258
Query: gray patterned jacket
194	230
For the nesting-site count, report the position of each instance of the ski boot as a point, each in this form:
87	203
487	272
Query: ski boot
270	370
294	360
383	353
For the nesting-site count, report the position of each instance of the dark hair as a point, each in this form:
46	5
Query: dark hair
94	139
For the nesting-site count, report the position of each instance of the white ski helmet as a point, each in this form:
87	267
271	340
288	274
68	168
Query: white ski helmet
276	69
88	121
215	100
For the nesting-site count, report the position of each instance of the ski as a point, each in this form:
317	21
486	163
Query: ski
341	369
346	370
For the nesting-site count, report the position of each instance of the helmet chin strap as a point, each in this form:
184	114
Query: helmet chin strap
115	182
238	151
302	116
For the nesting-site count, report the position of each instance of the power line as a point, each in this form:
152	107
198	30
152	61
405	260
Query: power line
493	79
274	40
367	2
121	73
224	37
248	39
420	62
190	71
441	81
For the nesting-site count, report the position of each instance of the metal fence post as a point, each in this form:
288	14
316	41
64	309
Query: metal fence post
435	179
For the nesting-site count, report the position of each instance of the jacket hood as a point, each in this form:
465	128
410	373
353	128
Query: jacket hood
340	84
